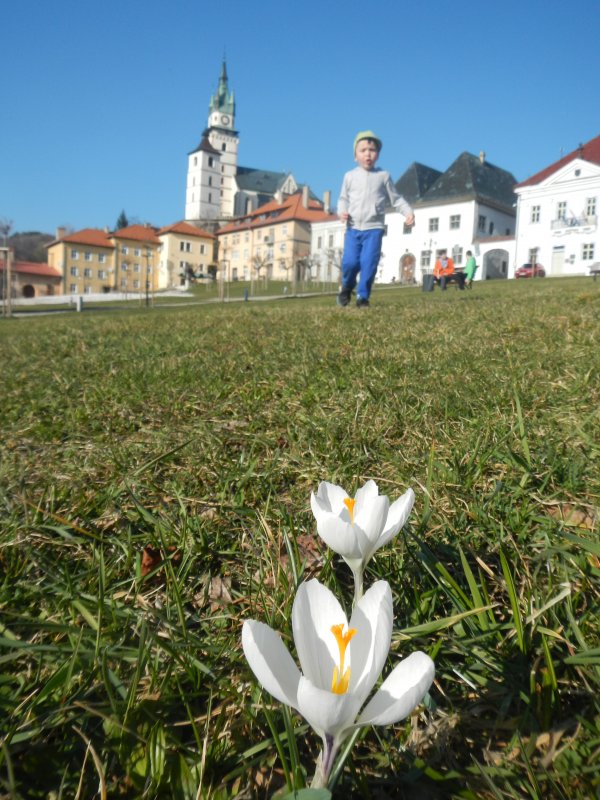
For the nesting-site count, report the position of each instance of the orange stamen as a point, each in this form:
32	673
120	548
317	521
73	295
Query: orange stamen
349	503
341	679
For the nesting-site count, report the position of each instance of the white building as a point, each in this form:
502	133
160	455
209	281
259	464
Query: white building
558	214
327	247
471	206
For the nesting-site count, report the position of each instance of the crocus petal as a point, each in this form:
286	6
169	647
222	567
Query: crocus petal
332	497
371	519
397	516
314	612
271	662
339	535
326	712
373	620
366	495
401	692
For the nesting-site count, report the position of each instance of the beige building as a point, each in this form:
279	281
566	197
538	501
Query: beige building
271	242
136	259
28	279
84	259
185	252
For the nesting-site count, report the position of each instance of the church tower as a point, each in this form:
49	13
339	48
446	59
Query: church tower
212	166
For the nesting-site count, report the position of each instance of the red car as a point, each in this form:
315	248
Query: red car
530	271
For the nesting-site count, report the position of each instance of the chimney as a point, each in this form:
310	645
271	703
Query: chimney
327	201
61	233
482	157
305	196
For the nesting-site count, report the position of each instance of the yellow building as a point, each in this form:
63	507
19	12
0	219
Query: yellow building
186	252
84	259
136	258
271	242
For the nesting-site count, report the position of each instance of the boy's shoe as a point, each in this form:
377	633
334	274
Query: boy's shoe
362	302
344	297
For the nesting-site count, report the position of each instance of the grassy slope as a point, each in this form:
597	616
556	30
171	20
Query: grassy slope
206	429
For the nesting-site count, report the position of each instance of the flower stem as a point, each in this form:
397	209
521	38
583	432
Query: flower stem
358	585
324	763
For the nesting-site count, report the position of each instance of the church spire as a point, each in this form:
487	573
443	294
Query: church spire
223	100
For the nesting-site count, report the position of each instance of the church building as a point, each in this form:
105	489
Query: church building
217	188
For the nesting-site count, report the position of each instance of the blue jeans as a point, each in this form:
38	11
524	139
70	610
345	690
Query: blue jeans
362	251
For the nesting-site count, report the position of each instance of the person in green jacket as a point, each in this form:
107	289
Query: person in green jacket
470	269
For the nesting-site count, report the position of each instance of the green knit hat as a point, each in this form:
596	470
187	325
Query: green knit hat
367	135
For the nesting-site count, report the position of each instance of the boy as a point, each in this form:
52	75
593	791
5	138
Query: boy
366	191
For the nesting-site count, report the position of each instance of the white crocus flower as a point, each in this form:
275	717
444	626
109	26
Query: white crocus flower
340	664
356	528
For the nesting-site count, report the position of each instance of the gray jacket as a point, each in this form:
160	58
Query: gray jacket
366	194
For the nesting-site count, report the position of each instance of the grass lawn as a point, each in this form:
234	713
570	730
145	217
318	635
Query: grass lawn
196	434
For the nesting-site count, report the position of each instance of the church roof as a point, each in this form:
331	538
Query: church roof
292	208
472	177
415	182
588	152
186	229
261	181
205	146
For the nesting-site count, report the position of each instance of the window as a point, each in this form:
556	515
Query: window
590	207
209	180
481	223
491	228
211	161
223	147
561	210
102	258
136	268
75	272
72	288
407	228
425	258
125	250
75	254
587	252
102	274
87	256
457	255
454	222
533	255
123	281
124	266
87	272
330	241
535	213
434	224
185	247
136	284
202	249
87	290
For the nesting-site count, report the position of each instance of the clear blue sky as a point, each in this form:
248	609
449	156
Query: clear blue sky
102	102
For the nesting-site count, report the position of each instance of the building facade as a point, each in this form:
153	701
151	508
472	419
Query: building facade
456	210
558	211
185	252
274	241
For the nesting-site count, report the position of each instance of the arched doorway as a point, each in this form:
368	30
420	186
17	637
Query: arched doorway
495	265
407	268
28	291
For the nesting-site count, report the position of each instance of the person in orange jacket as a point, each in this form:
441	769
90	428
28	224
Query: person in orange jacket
444	268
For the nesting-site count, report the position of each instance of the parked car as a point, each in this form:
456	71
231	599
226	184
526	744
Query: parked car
530	271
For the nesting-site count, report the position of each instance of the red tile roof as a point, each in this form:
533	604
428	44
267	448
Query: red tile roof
32	268
138	233
274	212
92	236
186	229
588	152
